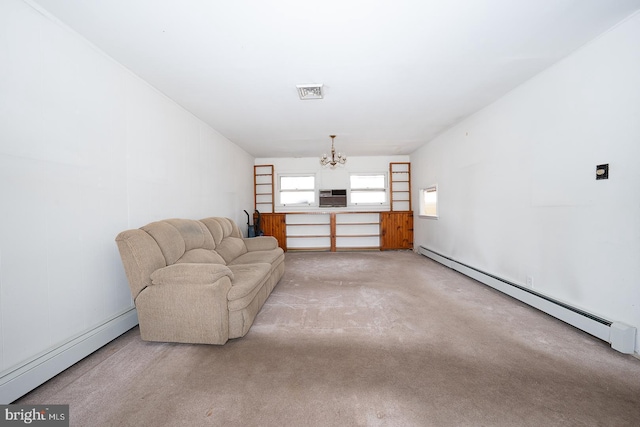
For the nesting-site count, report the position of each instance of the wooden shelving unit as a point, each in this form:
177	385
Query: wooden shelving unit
332	231
338	230
396	226
400	186
264	188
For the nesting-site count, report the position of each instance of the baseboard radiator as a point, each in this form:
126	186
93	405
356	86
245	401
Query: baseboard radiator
20	380
621	337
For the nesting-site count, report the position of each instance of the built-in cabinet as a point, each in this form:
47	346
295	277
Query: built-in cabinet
396	227
308	231
332	231
396	230
357	231
275	225
338	230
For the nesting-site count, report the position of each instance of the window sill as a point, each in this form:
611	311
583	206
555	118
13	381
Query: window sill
429	216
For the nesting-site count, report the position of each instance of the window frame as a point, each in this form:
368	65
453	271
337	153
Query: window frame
424	211
300	190
384	189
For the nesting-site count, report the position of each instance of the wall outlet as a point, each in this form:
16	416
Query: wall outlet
529	282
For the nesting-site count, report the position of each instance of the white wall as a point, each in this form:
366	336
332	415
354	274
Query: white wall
328	178
87	149
517	190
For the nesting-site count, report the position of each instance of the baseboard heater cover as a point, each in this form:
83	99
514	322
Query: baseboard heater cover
621	337
26	377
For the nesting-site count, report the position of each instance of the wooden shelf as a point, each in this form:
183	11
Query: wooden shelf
356	231
400	186
309	249
358	248
308	231
344	230
263	179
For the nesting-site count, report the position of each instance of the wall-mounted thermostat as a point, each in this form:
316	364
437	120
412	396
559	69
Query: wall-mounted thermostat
602	171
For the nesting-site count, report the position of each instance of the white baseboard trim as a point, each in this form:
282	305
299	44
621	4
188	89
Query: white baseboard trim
24	378
587	322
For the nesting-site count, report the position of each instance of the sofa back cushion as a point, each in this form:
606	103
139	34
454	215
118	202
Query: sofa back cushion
226	236
194	233
214	228
168	238
177	237
231	248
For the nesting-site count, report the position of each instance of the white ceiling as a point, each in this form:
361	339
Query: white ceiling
396	73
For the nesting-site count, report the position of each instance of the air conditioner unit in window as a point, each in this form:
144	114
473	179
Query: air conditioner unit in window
333	198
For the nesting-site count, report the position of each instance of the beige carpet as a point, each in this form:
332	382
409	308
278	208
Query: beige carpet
363	339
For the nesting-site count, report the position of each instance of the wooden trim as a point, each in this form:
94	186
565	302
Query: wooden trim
333	231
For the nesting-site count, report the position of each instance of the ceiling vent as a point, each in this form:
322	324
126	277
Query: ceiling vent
314	91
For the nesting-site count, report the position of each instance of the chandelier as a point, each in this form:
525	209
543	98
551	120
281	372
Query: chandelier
335	159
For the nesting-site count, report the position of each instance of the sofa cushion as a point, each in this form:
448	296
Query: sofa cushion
248	280
269	256
201	256
231	248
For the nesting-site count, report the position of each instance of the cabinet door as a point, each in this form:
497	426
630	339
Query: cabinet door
274	225
396	230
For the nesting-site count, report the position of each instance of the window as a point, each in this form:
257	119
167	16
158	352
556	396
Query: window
368	189
429	201
297	190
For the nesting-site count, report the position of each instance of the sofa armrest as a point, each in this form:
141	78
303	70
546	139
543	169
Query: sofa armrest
183	311
260	243
190	273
